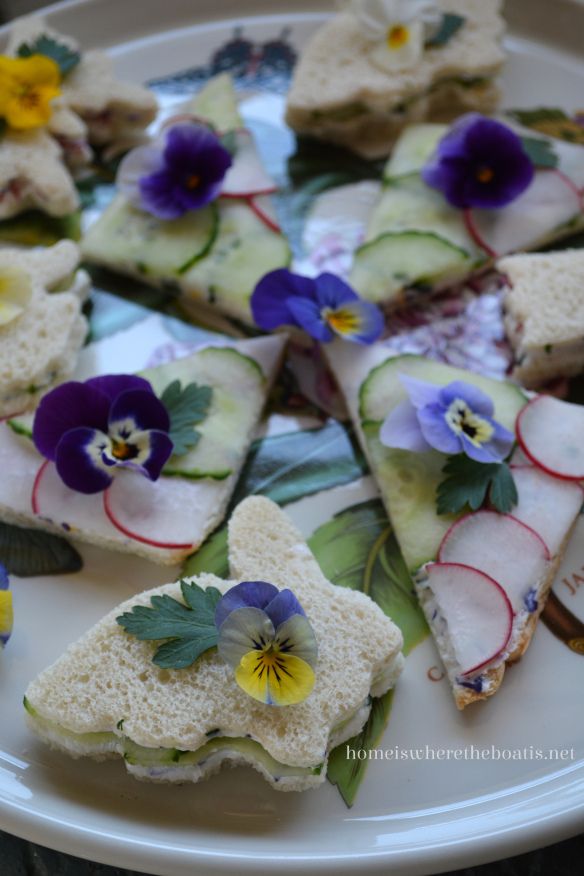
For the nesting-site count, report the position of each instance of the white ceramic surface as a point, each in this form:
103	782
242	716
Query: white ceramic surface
412	816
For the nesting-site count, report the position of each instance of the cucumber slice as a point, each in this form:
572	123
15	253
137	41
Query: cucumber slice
100	741
22	425
137	242
408	481
238	396
398	259
245	250
413	149
216	102
410	205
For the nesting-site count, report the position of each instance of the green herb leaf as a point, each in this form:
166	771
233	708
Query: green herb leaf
189	627
541	152
450	25
61	54
469	483
531	118
29	552
186	407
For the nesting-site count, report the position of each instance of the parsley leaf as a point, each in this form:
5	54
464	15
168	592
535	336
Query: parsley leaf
62	55
470	483
450	24
186	407
189	628
541	152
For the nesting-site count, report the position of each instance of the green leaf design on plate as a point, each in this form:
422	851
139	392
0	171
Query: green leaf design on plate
30	552
358	549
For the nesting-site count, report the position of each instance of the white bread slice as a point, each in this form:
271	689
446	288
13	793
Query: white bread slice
33	175
201	501
110	108
544	314
338	94
41	346
108	676
351	367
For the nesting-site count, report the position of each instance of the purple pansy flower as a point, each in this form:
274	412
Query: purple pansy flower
480	162
323	307
265	636
457	418
182	171
6	617
91	429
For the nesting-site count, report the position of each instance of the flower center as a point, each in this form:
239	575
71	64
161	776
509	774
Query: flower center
343	322
485	174
462	420
124	451
269	660
193	181
397	36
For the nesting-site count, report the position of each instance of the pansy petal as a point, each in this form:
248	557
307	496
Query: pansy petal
401	429
79	463
359	321
480	453
420	392
255	594
331	291
502	440
113	385
290	681
477	400
159	452
147	453
296	636
6	616
68	406
269	302
139	162
142	408
436	430
307	315
244	630
283	606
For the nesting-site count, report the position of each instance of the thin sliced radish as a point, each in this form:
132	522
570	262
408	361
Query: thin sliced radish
152	512
52	500
500	546
547	504
247	175
477	611
550	433
264	210
548	203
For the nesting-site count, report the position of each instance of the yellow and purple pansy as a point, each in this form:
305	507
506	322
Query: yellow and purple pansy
454	419
92	430
265	636
479	162
323	307
182	170
6	616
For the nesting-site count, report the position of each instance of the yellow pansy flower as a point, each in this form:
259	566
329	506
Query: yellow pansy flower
15	294
27	87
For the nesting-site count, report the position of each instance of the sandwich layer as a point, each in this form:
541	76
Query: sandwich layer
177	725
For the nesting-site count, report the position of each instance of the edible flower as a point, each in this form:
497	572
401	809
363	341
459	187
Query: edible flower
323	307
400	27
479	162
94	429
6	615
182	171
27	87
454	419
15	294
265	636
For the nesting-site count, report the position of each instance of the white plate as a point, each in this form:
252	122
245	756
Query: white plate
412	816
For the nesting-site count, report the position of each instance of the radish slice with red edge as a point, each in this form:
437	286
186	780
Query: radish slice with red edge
477	611
546	504
151	512
55	502
263	208
550	433
502	547
247	175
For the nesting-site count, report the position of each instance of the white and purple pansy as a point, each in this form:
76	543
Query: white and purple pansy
265	636
323	307
6	615
92	430
454	419
183	170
